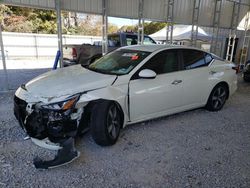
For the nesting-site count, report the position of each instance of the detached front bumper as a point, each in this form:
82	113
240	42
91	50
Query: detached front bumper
42	124
51	129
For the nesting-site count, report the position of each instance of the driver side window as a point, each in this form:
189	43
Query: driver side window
163	62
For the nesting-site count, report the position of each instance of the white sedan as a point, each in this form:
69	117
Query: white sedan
129	85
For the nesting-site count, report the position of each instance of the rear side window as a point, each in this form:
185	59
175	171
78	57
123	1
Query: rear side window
193	59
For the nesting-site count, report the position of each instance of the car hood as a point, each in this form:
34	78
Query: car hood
65	82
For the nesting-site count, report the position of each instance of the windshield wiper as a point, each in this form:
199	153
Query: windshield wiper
101	71
96	70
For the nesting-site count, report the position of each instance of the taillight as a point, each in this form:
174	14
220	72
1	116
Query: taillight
236	68
74	53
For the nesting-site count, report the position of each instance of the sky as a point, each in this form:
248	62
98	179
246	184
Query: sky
122	21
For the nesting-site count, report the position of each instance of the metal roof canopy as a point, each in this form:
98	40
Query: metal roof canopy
152	10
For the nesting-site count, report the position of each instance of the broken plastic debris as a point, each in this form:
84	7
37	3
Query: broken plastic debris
64	156
59	160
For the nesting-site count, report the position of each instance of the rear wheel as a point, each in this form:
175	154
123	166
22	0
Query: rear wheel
245	78
217	98
106	123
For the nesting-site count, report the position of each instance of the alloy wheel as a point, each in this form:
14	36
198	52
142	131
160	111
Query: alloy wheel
219	97
113	123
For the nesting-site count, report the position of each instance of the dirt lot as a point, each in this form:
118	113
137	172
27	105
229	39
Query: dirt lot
192	149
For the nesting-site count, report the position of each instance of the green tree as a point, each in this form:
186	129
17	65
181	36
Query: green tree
112	28
130	28
18	24
4	10
29	20
21	19
44	21
152	27
90	25
14	19
149	27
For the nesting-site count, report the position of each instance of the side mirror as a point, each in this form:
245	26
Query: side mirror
147	74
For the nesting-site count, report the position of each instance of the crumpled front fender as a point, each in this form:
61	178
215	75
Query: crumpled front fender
117	94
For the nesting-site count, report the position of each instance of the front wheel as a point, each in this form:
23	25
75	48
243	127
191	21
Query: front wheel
106	123
217	98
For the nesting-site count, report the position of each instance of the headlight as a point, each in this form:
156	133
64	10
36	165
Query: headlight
69	103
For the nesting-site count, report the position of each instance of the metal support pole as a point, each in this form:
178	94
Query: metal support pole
216	26
195	20
59	30
104	28
245	47
140	23
36	47
170	22
232	34
6	80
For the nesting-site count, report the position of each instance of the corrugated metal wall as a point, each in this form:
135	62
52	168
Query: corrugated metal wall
47	4
23	45
153	10
123	8
86	6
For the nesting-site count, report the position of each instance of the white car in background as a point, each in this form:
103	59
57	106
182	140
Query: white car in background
129	85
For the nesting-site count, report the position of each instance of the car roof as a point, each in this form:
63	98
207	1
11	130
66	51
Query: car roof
156	47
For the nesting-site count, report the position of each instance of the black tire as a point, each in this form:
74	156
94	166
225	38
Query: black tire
217	98
245	78
106	123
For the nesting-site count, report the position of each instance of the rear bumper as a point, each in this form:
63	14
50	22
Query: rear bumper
233	85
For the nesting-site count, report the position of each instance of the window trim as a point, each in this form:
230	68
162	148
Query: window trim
211	57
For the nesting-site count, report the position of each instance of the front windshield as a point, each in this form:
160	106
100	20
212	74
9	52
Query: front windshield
119	62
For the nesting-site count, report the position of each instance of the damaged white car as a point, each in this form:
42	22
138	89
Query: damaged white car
129	85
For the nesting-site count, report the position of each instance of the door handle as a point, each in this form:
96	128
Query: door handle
175	82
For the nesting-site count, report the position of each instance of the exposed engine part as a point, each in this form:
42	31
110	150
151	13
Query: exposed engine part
29	108
46	126
57	125
67	154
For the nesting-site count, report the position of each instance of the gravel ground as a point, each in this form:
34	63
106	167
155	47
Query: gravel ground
191	149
